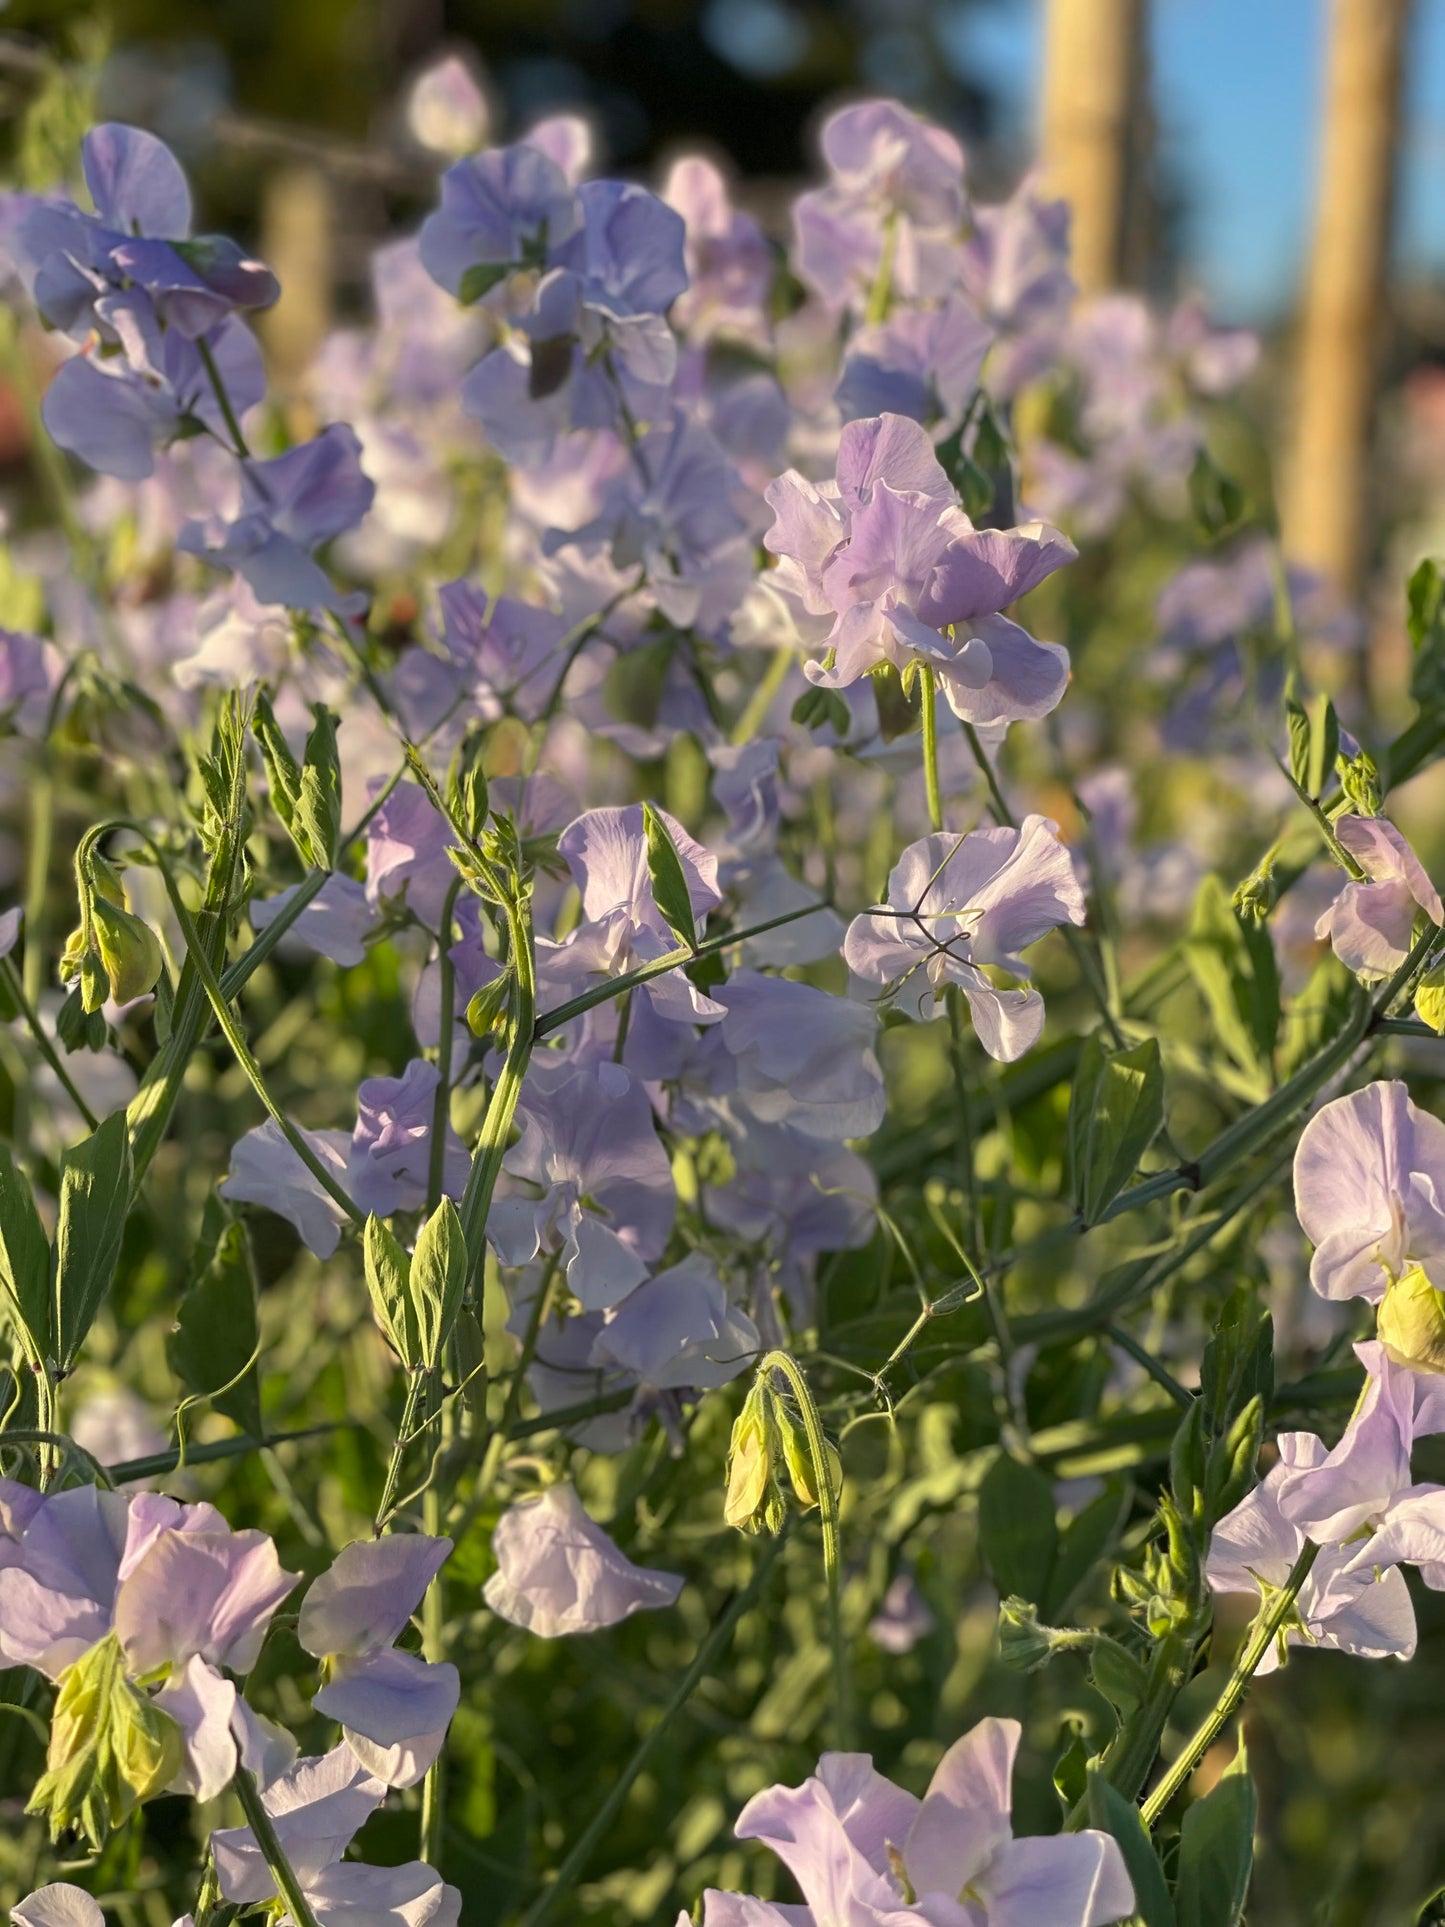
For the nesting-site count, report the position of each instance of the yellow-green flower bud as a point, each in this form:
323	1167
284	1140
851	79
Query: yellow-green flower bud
1430	999
798	1457
1411	1322
130	951
111	1747
753	1499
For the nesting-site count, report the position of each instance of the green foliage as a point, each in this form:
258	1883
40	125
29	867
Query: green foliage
1233	963
95	1185
1216	1851
1116	1107
214	1347
668	878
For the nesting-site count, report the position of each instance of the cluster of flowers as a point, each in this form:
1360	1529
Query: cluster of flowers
629	358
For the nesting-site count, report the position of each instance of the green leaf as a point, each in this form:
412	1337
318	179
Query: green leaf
822	709
1233	963
24	1262
669	879
1238	1362
1314	742
95	1183
1216	1851
1118	1675
1071	1769
283	772
316	823
437	1278
1219	503
1425	620
387	1273
481	279
214	1345
1083	1543
1111	1813
1016	1528
1116	1107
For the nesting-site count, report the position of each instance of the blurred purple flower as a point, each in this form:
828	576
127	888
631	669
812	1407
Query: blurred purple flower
559	1573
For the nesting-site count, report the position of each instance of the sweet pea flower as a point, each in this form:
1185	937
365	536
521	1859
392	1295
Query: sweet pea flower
139	237
888	552
1341	1604
850	1838
729	263
677	1330
383	1164
958	903
114	411
897	185
317	1807
607	1196
394	1708
1370	924
406	851
410	1895
923	363
903	1618
335	923
58	1905
1369	1185
559	1573
606	852
446	110
498	211
802	1057
290	506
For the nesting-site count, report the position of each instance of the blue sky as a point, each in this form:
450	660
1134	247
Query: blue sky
1237	85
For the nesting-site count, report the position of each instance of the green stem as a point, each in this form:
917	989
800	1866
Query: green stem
11	979
417	1395
788	1368
441	1109
259	1821
928	706
502	1106
37	872
707	1655
223	401
755	711
1266	1627
433	1643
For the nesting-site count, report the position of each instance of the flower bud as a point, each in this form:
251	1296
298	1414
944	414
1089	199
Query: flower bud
753	1500
798	1456
1023	1644
130	952
1430	999
1257	895
111	1747
1411	1322
1360	780
487	1010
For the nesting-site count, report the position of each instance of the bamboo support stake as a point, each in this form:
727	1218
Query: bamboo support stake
1325	525
1094	127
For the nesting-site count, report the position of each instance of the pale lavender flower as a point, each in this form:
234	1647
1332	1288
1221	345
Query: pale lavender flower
335	923
394	1708
893	175
26	675
317	1807
850	1838
801	1057
607	1196
265	1170
678	1330
390	1156
290	505
406	850
957	903
1370	925
923	363
903	1618
888	551
498	210
58	1905
115	411
446	110
558	1572
606	851
1255	1547
349	1894
729	262
1369	1185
